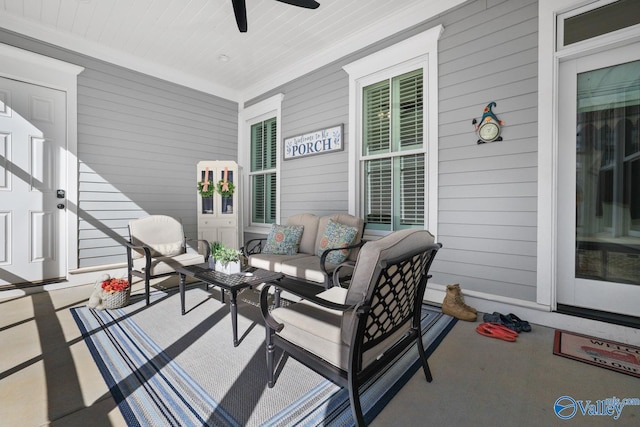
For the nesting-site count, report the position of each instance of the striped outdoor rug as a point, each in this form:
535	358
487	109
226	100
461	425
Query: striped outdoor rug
164	369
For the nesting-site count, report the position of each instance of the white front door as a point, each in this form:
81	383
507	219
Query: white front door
32	182
599	181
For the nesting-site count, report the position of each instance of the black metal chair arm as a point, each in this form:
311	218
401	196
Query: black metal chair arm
146	249
308	291
253	246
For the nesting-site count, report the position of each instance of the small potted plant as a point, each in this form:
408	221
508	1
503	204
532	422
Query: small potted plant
227	260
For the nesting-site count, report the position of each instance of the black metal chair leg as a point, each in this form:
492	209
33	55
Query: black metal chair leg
356	408
270	356
147	290
423	358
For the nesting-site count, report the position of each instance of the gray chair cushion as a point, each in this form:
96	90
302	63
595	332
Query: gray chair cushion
318	330
315	328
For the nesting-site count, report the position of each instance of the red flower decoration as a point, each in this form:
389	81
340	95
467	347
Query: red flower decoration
115	285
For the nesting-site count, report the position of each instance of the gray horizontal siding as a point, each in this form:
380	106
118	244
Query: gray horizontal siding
317	183
139	140
488	192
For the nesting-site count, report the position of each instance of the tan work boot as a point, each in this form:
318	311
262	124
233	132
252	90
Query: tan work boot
454	305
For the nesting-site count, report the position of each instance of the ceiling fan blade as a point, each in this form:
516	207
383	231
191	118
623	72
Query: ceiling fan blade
240	10
307	4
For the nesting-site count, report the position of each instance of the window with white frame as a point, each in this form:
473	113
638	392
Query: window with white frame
393	103
260	153
393	152
263	171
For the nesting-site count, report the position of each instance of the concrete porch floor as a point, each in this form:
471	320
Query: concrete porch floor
48	376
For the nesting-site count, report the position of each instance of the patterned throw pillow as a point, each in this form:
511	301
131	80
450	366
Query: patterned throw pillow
283	239
336	235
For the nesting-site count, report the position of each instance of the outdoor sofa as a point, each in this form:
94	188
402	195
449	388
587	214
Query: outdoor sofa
309	247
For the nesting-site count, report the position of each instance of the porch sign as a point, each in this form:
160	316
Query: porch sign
318	142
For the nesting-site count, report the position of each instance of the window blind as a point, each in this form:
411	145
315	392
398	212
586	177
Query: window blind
376	118
263	177
411	190
394	185
408	92
378	192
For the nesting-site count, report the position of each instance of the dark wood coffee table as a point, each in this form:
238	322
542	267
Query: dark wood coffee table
231	283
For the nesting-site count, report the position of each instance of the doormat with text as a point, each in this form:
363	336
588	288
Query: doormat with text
607	354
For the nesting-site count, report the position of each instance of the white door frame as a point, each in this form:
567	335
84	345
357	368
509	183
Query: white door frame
41	70
613	296
548	74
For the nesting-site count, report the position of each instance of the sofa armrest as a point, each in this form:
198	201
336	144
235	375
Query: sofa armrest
336	272
253	246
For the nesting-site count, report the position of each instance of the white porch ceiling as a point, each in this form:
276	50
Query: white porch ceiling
183	40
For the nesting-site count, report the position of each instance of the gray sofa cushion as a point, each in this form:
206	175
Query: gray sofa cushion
306	268
305	264
272	262
310	232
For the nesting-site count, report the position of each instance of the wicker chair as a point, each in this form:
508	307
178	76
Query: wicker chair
347	335
157	246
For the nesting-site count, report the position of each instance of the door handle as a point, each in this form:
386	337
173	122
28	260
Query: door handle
60	205
60	194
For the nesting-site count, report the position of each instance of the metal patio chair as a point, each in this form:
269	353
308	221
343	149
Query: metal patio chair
348	335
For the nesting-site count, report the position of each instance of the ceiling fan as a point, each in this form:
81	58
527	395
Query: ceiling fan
240	10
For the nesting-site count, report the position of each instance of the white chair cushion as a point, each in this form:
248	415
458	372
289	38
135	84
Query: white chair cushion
163	234
163	265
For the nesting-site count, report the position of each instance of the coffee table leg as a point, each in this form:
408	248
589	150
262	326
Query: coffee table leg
234	317
182	286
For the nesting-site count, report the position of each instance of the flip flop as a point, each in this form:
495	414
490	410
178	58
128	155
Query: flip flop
524	325
496	331
501	328
502	320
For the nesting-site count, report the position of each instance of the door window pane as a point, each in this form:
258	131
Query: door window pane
608	174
